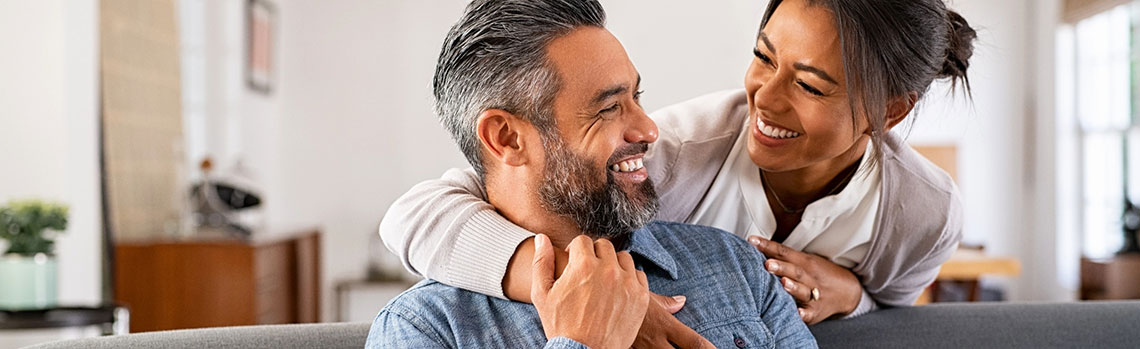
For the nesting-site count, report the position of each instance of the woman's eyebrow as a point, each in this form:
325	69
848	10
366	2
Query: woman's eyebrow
818	72
799	66
767	43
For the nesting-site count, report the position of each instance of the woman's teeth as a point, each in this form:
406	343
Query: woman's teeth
775	132
628	165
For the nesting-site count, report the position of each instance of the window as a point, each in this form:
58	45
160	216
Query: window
1103	113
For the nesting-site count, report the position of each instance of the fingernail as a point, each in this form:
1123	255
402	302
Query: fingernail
773	266
801	310
679	299
755	240
539	242
788	284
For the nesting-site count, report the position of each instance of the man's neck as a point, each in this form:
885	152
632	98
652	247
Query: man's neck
518	203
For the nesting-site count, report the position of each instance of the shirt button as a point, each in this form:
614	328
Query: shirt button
739	342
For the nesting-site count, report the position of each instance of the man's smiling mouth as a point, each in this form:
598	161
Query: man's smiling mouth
629	165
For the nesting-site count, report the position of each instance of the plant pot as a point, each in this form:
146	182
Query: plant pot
27	282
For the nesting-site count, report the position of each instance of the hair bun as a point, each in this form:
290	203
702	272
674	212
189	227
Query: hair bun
959	49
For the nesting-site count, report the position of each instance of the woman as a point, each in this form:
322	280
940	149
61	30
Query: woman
801	162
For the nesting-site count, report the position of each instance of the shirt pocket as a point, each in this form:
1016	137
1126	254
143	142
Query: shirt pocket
747	332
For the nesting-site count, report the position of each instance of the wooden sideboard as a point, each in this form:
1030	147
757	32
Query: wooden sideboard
178	284
1117	277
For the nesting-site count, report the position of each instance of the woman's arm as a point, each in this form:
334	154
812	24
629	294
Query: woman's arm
445	230
911	279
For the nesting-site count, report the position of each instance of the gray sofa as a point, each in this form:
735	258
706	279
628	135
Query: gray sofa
1114	324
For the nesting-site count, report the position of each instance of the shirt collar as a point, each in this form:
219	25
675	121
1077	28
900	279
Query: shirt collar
644	244
863	183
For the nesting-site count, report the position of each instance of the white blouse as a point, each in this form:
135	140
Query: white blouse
737	202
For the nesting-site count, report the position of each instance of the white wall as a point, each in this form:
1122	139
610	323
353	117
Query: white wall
1006	145
356	127
48	127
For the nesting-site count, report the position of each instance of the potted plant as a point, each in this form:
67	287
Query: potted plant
28	266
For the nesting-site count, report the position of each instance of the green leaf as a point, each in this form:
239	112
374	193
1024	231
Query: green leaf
24	224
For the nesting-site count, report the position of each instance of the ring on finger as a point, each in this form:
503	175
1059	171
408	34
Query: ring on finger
814	294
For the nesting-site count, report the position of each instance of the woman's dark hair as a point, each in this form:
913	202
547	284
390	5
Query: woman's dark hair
894	47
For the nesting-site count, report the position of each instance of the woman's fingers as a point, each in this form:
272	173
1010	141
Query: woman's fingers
660	327
809	315
772	249
786	269
682	336
836	289
801	293
671	304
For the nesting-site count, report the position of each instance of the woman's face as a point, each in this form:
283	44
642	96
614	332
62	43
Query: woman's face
799	112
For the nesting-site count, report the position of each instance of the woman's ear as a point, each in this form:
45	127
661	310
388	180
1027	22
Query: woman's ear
898	109
499	134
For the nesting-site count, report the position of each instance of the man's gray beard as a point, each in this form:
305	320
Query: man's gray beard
568	189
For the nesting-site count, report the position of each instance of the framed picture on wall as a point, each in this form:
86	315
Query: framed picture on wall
260	35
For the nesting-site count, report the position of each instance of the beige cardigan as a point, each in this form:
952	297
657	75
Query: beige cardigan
443	229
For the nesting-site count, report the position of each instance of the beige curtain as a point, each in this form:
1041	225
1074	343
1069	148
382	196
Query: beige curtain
1076	10
142	117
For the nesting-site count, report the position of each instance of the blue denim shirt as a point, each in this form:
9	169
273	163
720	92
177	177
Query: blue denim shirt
731	300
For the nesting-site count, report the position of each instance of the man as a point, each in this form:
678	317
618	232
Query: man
543	101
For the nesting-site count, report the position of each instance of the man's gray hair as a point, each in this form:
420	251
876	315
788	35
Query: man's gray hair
495	58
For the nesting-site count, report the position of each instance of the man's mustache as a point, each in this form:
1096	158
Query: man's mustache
627	151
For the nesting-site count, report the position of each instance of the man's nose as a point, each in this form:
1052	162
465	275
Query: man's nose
641	129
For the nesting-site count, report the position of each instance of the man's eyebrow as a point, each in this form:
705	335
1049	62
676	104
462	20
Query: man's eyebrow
818	72
607	93
613	91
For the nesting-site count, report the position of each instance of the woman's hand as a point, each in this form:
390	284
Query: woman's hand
837	289
662	330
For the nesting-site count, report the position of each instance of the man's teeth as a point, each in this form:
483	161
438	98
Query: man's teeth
628	165
775	132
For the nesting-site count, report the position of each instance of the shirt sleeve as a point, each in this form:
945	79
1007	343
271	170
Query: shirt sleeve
866	305
390	330
445	230
778	309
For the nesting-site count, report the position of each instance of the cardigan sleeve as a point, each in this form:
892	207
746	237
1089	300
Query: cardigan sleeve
910	280
919	227
445	230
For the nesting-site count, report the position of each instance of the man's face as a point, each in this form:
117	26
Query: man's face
594	172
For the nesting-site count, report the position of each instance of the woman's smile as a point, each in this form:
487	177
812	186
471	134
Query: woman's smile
771	135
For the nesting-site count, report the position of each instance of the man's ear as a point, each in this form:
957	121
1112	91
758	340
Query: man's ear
500	133
898	109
